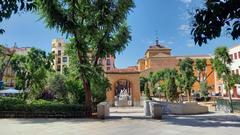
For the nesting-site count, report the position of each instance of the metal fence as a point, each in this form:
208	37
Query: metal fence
224	105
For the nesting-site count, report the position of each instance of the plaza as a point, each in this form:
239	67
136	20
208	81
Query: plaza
119	67
127	121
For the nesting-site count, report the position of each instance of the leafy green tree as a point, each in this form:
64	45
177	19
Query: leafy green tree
200	66
221	64
6	55
143	81
187	75
170	84
75	91
217	15
180	85
99	82
57	85
164	81
9	7
97	28
31	70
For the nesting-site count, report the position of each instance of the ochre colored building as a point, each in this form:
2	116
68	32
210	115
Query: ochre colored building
124	79
157	57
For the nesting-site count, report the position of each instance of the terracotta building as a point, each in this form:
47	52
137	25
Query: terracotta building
157	57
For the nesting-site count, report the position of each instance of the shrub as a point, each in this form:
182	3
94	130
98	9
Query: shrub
15	104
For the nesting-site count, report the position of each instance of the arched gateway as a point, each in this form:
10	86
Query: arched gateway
125	87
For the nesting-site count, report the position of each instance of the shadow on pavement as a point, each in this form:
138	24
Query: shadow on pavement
204	120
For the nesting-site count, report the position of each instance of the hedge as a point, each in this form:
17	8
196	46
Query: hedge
17	108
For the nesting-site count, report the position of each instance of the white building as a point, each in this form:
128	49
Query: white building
234	53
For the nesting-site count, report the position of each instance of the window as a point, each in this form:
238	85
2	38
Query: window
108	68
237	72
108	62
100	61
53	52
59	60
58	68
64	59
59	45
235	55
233	71
231	56
239	55
59	52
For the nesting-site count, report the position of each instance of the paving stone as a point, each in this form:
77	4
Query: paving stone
123	123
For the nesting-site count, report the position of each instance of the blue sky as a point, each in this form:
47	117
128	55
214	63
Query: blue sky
168	19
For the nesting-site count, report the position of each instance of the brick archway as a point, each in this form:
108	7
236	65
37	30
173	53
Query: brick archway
132	77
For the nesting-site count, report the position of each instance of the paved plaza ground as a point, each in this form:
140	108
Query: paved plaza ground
126	122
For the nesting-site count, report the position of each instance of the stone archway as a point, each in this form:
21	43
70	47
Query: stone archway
120	80
123	93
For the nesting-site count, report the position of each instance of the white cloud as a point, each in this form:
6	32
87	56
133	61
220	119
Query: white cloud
186	1
170	42
184	27
190	43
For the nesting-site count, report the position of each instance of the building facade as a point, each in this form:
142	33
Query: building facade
61	60
234	53
9	74
157	57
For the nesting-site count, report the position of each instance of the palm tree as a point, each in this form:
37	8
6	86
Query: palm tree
221	64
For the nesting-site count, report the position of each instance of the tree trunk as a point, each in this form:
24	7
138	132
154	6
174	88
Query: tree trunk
88	96
1	76
86	83
189	95
230	99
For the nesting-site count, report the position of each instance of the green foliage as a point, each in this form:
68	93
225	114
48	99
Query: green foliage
164	81
43	102
6	55
75	91
41	106
31	70
215	17
170	84
7	101
204	90
187	75
147	92
143	81
200	66
99	82
57	86
9	7
220	65
97	29
220	62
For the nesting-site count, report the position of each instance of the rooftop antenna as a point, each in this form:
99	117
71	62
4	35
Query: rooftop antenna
157	39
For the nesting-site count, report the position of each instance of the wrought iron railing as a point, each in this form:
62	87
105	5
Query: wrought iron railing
223	104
